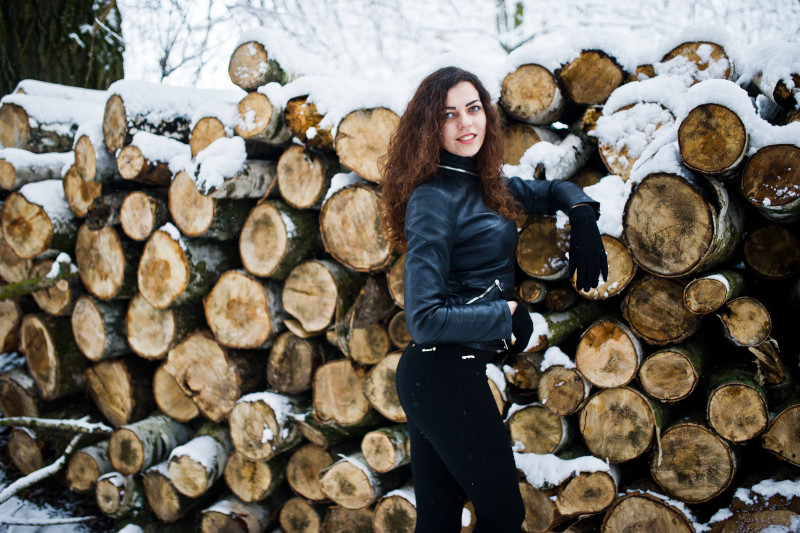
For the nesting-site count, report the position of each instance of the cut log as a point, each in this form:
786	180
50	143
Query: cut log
317	293
553	328
328	433
361	334
672	374
19	395
54	361
242	311
57	300
120	497
531	94
87	465
26	449
142	212
104	211
173	271
745	321
737	405
10	320
709	60
781	437
337	394
106	263
262	424
586	493
523	370
395	281
36	218
590	78
351	483
640	511
771	181
79	194
20	167
304	177
619	424
92	161
362	138
541	514
233	515
137	446
398	331
693	463
262	122
13	268
773	252
164	500
276	237
396	512
303	471
42	123
653	308
608	354
672	229
303	120
542	249
121	389
299	516
343	519
198	215
152	332
706	294
562	390
253	481
204	132
621	270
212	377
195	466
560	298
534	429
170	398
98	328
712	139
380	388
292	363
384	449
217	178
251	66
147	159
349	223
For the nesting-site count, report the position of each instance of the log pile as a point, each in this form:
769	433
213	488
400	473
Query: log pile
236	314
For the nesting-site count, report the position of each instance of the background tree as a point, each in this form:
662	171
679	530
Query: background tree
72	42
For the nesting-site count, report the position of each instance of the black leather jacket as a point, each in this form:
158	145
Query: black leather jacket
459	267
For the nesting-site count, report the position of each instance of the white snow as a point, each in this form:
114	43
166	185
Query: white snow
203	450
49	194
174	233
23	158
559	159
407	493
340	181
494	373
282	407
548	470
222	159
226	112
158	148
56	90
66	260
540	327
282	47
45	110
554	356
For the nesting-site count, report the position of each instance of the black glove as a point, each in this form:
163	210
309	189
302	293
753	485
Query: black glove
586	252
521	328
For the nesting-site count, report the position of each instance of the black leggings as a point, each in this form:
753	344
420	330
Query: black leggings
459	446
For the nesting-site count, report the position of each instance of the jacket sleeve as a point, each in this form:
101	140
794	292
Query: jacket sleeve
544	197
430	230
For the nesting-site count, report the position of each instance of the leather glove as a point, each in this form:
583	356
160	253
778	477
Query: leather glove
586	252
521	328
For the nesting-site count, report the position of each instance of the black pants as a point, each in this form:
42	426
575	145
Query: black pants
459	446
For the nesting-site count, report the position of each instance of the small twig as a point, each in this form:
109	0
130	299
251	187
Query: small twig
11	521
34	477
80	426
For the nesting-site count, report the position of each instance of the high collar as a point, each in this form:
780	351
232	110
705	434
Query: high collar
451	160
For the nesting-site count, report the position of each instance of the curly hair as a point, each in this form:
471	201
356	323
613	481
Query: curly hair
413	152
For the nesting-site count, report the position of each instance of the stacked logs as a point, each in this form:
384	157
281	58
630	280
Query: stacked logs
275	402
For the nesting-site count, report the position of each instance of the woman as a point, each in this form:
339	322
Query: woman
448	204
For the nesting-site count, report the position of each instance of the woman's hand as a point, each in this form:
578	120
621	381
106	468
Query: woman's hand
587	255
521	326
512	306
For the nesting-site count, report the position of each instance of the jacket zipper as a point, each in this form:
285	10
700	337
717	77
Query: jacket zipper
487	291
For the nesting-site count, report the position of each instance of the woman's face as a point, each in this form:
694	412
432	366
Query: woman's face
465	121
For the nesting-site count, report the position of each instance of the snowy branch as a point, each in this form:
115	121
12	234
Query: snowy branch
80	426
42	522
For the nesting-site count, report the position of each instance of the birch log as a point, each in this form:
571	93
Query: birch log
135	447
196	465
20	167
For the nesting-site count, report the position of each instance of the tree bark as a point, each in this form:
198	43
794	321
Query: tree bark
708	293
672	374
327	433
252	481
637	510
653	308
608	354
262	425
302	119
106	263
380	388
771	181
137	446
590	78
541	514
232	514
170	398
737	405
538	430
142	212
20	167
87	465
349	223
19	395
292	363
135	165
121	497
166	502
384	449
304	176
275	238
556	327
531	94
54	361
92	161
30	228
562	390
351	483
23	126
337	394
362	138
195	466
121	389
251	66
713	139
303	471
773	252
98	328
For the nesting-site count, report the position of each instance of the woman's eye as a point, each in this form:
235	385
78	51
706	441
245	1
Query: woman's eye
449	115
475	108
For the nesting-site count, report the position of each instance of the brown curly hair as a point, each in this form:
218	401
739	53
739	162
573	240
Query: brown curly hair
413	151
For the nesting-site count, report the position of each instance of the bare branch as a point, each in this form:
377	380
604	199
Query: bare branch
44	472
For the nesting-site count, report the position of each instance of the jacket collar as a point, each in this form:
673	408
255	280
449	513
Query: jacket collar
465	164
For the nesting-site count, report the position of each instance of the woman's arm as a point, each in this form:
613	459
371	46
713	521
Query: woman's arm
543	197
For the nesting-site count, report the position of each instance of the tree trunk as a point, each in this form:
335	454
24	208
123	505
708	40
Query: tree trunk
145	165
608	354
120	497
653	308
233	515
771	181
396	512
304	177
737	405
19	395
621	270
24	125
553	328
170	398
639	511
300	516
32	222
87	465
142	212
531	94
398	331
773	252
92	161
98	328
673	229
262	122
672	374
53	359
380	388
106	263
303	471
384	449
349	223
195	466
586	493
619	424
541	514
137	446
337	394
251	66
262	424
173	271
276	237
252	481
362	138
538	430
318	292
242	311
152	332
713	139
542	249
708	293
351	483
166	502
590	78
79	194
745	321
562	390
292	363
20	167
303	121
693	463
121	389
